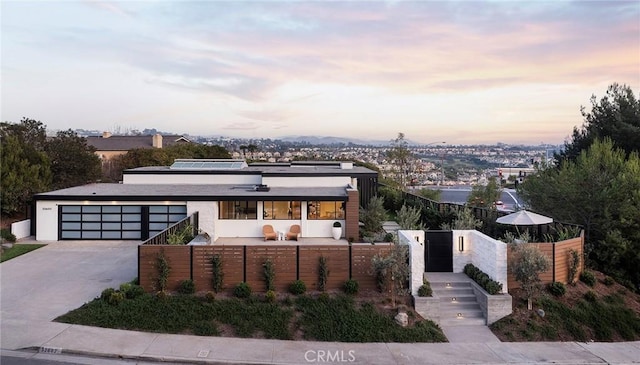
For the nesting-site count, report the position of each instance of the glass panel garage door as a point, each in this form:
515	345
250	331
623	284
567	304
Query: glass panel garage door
117	222
100	222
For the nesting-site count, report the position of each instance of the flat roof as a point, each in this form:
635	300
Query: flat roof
330	168
189	192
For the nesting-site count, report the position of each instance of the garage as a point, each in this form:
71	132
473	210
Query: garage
116	222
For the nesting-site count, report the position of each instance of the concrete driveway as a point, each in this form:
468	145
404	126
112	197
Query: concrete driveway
41	285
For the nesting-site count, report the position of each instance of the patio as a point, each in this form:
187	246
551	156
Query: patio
259	241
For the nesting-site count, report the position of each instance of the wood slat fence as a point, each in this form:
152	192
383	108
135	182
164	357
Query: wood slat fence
245	263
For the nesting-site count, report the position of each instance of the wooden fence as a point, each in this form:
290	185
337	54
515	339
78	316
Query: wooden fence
559	253
245	263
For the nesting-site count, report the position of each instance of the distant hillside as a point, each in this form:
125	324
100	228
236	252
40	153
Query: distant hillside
314	140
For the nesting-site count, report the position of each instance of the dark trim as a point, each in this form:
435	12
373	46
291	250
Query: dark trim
34	214
185	198
144	223
337	172
244	263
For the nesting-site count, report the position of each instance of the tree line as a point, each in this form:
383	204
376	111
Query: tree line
31	162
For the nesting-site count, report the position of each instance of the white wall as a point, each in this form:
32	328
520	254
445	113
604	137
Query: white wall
311	181
192	179
320	228
460	259
21	229
47	220
490	256
415	240
208	213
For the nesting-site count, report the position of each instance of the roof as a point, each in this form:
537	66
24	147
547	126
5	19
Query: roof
153	192
125	143
275	169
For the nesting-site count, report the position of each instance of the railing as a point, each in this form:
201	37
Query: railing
161	238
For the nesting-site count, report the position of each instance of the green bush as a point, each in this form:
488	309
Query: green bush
297	287
425	290
115	298
588	278
162	295
106	294
557	288
187	287
205	328
270	296
6	235
242	290
609	281
351	287
590	296
210	297
131	291
489	285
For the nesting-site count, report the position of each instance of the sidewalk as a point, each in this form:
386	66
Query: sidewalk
53	337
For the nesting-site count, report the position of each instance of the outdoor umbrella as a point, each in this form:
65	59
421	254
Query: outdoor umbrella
524	218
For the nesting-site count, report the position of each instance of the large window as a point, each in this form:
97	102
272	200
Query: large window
281	210
238	210
325	210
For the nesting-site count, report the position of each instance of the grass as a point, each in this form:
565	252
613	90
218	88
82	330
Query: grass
17	250
322	319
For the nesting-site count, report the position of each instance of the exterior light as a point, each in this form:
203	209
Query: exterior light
460	243
448	285
459	315
454	299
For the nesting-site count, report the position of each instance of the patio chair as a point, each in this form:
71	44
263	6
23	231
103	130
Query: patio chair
294	232
269	233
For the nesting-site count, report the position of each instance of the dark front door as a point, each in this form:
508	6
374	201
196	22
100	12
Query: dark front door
438	252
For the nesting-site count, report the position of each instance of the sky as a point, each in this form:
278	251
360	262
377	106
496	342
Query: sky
462	72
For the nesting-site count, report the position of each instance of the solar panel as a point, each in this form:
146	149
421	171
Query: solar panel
208	164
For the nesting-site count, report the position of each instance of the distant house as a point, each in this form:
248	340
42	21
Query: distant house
108	146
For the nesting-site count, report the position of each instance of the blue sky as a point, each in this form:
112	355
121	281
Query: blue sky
462	72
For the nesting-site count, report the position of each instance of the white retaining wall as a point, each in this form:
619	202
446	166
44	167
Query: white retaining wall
21	229
415	240
490	256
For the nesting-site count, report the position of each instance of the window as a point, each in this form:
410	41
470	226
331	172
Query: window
325	210
238	210
282	210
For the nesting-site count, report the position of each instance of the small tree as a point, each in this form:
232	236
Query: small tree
464	220
526	265
392	271
409	218
373	216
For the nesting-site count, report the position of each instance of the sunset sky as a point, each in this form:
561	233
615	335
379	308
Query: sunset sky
463	72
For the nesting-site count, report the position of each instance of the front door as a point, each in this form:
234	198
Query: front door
438	252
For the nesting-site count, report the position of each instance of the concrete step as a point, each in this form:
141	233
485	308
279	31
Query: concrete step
465	298
455	306
462	321
450	284
453	292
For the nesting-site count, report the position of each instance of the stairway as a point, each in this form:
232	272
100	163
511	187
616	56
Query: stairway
458	304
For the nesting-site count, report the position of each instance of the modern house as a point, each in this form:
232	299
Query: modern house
233	199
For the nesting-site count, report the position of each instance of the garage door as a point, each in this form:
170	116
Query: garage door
113	222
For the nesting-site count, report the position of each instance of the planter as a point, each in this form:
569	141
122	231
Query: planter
336	230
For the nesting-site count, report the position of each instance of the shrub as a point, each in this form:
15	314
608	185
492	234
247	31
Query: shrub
590	296
242	290
270	296
351	287
218	275
115	298
131	291
106	294
490	286
425	290
324	297
323	272
269	274
588	278
557	288
187	287
162	295
6	235
210	297
609	281
205	328
297	287
163	268
574	263
388	237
